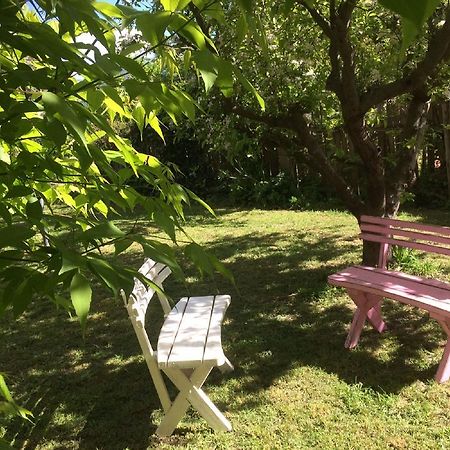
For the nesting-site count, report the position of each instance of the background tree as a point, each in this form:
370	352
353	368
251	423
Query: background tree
348	67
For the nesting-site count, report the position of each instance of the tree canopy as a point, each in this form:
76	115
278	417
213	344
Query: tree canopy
70	69
349	68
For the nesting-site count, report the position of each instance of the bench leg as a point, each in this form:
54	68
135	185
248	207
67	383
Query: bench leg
443	372
367	306
191	393
374	314
226	366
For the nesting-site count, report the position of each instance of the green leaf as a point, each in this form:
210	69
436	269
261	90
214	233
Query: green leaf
250	88
206	262
131	66
139	117
5	214
34	209
4	445
70	261
409	33
170	5
207	65
201	202
113	95
415	11
122	245
53	130
241	29
95	98
152	26
14	235
4	391
81	295
108	10
200	258
103	230
113	277
166	223
18	191
153	121
189	30
22	295
15	129
57	105
246	5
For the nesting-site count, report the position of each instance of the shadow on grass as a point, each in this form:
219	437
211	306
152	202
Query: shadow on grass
287	317
97	393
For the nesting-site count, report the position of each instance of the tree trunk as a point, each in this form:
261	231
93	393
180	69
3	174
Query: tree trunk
446	123
371	251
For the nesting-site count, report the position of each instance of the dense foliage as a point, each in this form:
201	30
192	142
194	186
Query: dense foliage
68	70
347	91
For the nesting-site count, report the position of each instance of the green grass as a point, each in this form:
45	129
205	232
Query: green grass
294	384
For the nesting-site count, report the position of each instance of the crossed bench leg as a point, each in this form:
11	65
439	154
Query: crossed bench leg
368	306
191	394
443	372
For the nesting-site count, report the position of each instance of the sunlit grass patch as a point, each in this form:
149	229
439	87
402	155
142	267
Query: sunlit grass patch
294	384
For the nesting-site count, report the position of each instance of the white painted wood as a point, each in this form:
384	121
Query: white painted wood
198	399
213	348
150	359
193	337
188	346
181	403
189	343
137	305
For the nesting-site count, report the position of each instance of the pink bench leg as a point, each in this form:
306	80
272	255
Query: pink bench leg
374	314
443	372
367	306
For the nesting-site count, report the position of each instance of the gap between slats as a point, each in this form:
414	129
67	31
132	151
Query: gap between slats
390	232
404	243
405	224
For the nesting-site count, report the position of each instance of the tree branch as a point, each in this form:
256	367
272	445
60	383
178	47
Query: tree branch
317	17
304	138
437	52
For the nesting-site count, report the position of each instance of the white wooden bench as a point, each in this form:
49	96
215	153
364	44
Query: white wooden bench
189	346
367	286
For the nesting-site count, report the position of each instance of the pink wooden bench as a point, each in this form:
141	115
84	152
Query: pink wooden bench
367	286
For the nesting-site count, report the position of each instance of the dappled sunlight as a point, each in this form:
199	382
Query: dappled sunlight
284	332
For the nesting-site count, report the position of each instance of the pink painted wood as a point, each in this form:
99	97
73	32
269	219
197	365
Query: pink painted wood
440	230
368	285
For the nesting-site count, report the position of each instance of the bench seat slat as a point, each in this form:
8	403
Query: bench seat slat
189	344
191	334
443	231
169	332
432	295
213	348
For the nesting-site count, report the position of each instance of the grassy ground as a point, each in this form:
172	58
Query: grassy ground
294	385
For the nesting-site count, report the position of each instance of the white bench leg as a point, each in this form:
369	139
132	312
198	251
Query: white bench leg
191	393
226	366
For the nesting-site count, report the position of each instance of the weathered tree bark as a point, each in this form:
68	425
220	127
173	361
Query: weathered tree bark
446	125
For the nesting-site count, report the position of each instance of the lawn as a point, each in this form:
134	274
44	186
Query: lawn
294	384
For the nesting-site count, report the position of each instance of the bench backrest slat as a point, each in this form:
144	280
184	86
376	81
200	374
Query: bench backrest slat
415	235
403	243
427	238
139	300
444	231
